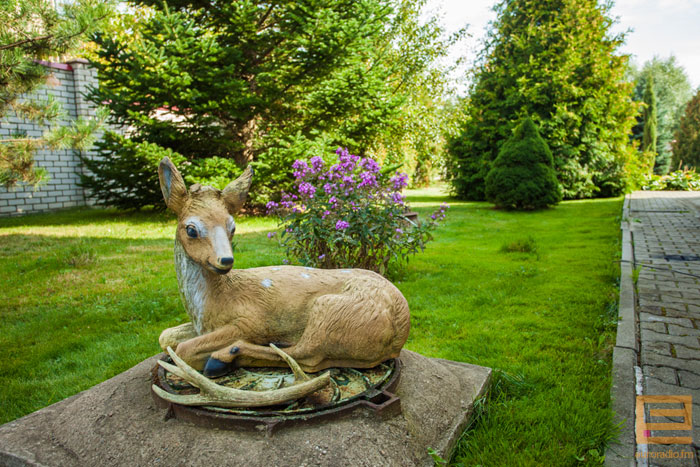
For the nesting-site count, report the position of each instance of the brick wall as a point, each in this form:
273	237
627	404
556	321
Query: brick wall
69	87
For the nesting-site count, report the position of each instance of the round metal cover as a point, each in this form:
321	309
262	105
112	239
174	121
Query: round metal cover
349	389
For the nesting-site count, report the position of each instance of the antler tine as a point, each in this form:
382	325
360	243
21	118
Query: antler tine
299	374
222	396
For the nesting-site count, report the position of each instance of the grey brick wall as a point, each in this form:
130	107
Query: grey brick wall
63	166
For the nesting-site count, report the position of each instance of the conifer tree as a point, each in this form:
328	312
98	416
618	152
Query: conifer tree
263	83
557	61
522	176
650	122
30	31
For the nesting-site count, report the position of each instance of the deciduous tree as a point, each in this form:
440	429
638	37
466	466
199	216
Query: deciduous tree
673	91
686	146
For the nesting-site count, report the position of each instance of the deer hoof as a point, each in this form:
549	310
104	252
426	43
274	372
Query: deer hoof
215	368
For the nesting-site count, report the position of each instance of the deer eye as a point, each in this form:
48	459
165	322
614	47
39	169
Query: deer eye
191	231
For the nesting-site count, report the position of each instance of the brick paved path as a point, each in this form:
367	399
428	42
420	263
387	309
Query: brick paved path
665	232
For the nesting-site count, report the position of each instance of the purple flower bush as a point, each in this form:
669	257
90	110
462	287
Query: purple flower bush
349	214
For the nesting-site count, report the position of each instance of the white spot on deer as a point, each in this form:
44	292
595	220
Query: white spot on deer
304	275
267	283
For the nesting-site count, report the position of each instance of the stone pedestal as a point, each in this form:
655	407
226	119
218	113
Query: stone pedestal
118	423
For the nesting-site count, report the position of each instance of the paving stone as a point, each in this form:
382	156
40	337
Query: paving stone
655	359
663	348
684	352
683	331
656	327
689	380
650	336
685	322
665	374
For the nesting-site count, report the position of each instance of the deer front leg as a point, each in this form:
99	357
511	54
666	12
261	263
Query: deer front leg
196	351
171	337
244	353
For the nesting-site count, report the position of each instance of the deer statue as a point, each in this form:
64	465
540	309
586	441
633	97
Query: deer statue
243	317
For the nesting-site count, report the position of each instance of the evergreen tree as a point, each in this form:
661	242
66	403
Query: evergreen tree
673	91
30	31
262	83
556	61
649	138
522	176
686	146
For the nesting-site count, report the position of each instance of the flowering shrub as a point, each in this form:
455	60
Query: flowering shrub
351	214
682	180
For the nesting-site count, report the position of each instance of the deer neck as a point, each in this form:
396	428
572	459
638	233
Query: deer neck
192	283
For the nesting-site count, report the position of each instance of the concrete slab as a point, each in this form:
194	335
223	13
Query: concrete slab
118	423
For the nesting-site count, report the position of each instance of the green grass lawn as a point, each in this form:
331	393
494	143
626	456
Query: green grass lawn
85	294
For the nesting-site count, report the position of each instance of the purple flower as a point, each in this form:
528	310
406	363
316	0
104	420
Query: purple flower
321	256
301	169
334	201
433	216
399	181
399	231
367	179
270	234
369	165
328	188
341	225
325	214
316	164
397	198
285	261
271	206
306	188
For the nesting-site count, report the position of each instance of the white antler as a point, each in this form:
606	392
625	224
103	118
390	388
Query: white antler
221	396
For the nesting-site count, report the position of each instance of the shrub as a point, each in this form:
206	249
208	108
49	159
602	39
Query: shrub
681	180
522	176
351	214
128	179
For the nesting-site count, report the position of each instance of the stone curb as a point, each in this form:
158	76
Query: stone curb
625	354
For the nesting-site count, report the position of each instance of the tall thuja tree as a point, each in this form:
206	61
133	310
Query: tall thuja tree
650	122
31	31
673	90
252	82
686	145
556	61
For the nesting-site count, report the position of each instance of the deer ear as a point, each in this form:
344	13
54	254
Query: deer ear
172	185
235	192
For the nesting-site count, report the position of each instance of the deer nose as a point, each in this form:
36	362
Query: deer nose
226	261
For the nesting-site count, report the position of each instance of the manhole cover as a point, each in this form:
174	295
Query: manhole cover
350	389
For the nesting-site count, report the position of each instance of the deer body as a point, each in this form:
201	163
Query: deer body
323	318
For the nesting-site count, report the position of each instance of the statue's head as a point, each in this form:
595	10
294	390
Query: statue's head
205	224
